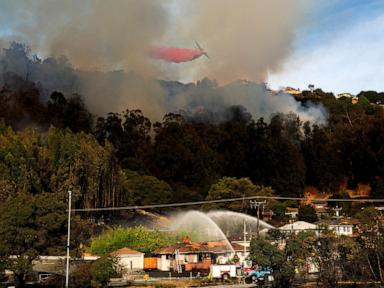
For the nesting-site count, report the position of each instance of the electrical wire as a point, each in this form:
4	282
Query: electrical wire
220	201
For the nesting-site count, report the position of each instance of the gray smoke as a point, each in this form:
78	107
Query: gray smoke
207	96
105	44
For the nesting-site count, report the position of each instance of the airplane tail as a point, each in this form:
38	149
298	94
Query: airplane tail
198	46
201	49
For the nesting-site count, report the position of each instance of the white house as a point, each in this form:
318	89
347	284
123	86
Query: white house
129	259
341	227
298	226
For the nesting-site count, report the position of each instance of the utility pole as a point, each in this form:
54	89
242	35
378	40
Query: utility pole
255	204
68	238
244	241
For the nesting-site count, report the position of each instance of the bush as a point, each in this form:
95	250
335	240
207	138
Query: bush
307	213
137	238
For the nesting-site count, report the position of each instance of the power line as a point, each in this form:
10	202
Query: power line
220	201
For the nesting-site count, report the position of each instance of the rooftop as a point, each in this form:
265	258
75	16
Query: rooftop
125	251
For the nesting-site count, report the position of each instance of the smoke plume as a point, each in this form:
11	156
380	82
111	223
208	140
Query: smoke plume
106	44
97	36
245	39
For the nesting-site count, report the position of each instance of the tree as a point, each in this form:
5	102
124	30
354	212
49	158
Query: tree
68	113
274	155
180	156
229	187
279	210
327	259
372	240
31	226
98	273
103	269
129	134
307	213
146	189
268	255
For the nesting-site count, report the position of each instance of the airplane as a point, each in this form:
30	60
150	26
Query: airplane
177	55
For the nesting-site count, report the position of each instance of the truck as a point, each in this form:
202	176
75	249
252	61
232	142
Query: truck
260	274
224	272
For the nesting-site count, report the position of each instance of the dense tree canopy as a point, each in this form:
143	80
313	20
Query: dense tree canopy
229	187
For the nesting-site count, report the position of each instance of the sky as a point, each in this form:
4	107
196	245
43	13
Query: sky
339	49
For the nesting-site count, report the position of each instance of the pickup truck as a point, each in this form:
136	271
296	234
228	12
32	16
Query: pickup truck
259	274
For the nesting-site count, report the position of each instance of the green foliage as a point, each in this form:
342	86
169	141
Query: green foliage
31	226
265	253
103	269
279	210
97	273
179	154
229	187
137	238
82	275
268	255
372	96
307	213
145	189
291	203
58	161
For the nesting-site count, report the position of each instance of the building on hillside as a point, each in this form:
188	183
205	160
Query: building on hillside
299	226
292	212
130	260
345	94
292	91
321	207
341	227
379	207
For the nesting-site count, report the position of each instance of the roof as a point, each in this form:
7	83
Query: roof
292	209
195	247
299	225
342	221
238	247
125	251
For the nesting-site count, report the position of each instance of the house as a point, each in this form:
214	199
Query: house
320	206
129	259
292	91
345	94
341	227
298	226
292	212
189	256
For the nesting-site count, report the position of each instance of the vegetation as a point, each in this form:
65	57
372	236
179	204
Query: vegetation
307	213
137	238
337	258
97	273
50	143
229	187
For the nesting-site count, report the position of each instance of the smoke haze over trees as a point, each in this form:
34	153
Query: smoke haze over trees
105	92
190	149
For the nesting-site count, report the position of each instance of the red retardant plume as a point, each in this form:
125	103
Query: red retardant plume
176	55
